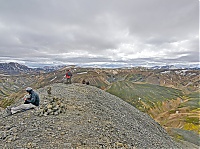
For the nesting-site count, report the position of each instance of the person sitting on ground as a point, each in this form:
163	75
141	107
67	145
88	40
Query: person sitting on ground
29	103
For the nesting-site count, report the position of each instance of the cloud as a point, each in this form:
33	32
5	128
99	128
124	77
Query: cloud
72	31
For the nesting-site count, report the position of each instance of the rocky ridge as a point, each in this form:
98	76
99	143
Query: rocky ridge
82	116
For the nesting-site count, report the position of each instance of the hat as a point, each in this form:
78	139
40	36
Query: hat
28	89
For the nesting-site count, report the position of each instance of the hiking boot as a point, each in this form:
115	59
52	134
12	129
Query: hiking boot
8	108
8	112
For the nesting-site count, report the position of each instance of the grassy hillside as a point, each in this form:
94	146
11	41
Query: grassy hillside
191	119
143	96
181	120
170	107
193	101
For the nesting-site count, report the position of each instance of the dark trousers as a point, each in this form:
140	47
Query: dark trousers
69	81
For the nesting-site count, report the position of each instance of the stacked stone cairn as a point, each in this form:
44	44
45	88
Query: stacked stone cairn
51	106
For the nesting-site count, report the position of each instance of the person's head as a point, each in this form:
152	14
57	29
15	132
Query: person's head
29	89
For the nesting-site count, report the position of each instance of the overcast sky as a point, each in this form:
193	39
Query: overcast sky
99	32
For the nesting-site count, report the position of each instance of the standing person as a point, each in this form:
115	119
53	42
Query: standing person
29	103
69	77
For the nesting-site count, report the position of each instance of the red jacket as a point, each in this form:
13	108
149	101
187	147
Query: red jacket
68	74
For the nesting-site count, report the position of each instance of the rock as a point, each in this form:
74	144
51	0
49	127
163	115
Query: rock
49	106
49	90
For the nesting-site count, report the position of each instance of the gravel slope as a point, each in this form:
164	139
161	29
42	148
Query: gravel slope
89	118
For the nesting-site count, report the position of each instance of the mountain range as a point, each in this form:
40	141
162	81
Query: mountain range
13	68
169	96
16	68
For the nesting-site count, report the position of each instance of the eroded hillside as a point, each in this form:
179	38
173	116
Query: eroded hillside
92	119
166	95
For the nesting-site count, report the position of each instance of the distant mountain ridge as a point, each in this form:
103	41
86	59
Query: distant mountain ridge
13	68
172	67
